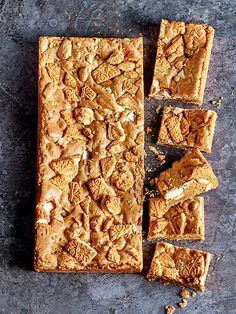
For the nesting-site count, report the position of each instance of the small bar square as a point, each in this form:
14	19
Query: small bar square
188	177
183	221
187	128
183	54
179	265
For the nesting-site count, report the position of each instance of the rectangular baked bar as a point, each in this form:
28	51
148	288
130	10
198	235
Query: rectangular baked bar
179	265
187	128
90	155
188	177
183	54
183	221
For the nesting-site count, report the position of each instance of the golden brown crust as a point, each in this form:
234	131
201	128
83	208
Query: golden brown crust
187	128
183	221
188	177
90	155
183	54
179	265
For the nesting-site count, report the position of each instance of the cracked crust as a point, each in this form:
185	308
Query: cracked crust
183	221
179	265
188	177
90	155
187	128
183	54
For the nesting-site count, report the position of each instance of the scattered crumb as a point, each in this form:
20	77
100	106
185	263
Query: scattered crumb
184	294
153	150
217	102
193	294
183	303
170	309
220	257
148	130
158	108
152	182
161	158
159	155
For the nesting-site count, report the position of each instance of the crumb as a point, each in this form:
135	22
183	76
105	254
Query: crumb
170	309
217	102
148	130
153	150
158	108
152	182
183	303
184	294
161	158
193	294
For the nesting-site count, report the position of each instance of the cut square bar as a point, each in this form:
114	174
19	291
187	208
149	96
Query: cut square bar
187	128
179	265
183	221
90	155
183	54
188	177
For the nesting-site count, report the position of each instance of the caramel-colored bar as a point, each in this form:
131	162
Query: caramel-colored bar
183	221
188	177
179	265
90	155
187	128
183	54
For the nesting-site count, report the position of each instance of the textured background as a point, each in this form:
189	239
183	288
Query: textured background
24	291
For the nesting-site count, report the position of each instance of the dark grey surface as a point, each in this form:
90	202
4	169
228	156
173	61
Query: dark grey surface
23	290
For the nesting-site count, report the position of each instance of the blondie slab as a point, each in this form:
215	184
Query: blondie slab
188	177
183	221
90	155
179	265
187	128
183	54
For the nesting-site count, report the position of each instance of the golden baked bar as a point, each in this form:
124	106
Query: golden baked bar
188	177
187	128
90	155
183	221
183	54
179	265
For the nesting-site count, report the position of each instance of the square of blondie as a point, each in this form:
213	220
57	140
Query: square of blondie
183	54
187	128
183	221
179	265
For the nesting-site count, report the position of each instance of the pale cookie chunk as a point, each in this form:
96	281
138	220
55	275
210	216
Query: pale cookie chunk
183	54
183	221
179	265
188	177
187	128
90	155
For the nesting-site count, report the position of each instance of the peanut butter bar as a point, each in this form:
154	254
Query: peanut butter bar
188	177
187	128
179	265
90	155
183	54
183	221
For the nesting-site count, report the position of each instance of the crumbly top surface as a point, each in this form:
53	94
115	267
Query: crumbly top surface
183	52
90	155
180	265
184	220
187	128
192	173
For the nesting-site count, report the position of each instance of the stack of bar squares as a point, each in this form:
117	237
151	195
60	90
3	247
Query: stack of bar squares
91	154
183	53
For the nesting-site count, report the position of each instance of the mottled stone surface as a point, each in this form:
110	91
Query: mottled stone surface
24	291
